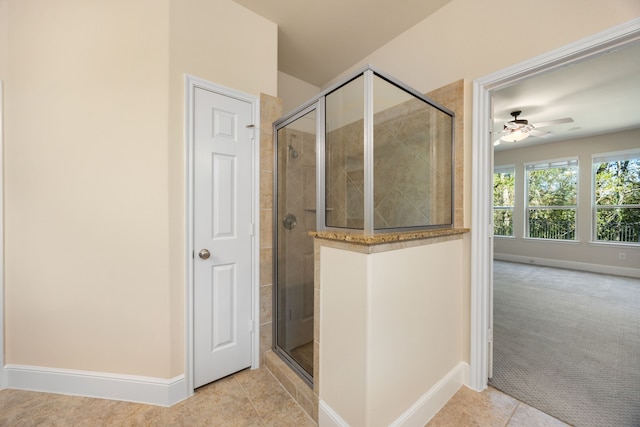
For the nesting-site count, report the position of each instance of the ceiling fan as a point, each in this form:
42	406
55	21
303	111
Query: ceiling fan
518	129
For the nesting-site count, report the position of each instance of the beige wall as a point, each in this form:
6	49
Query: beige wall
294	92
85	186
343	333
470	39
379	354
94	171
406	354
584	251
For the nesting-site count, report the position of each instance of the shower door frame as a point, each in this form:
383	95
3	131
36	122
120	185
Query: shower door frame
368	72
316	104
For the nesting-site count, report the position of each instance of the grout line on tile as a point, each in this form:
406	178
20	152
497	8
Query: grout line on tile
292	397
515	408
250	401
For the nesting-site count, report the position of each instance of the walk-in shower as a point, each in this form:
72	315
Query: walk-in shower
295	217
369	155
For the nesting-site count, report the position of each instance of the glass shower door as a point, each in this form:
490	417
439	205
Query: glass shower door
294	217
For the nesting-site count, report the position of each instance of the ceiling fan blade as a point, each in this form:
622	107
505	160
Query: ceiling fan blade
553	122
539	133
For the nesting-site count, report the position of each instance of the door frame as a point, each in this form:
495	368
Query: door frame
191	83
3	375
482	172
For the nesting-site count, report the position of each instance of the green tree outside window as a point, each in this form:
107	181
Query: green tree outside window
617	197
503	200
552	199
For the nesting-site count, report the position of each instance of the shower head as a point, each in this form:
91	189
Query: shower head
292	152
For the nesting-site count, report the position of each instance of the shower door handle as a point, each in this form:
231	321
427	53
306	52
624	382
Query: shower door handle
204	254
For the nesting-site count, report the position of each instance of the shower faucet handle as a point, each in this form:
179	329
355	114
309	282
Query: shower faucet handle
289	221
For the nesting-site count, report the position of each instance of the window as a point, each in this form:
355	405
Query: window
503	199
552	199
617	197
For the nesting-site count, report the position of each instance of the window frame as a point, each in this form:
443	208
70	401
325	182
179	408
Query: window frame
504	169
609	157
550	164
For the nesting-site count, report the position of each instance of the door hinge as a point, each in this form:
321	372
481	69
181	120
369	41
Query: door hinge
252	229
490	335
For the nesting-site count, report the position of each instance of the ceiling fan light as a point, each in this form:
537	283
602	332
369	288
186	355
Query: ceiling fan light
515	136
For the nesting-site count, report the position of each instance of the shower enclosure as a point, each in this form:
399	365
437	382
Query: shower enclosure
295	217
369	155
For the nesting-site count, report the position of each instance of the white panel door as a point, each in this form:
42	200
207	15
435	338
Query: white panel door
222	236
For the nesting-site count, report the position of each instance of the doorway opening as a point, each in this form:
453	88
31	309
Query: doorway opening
225	125
482	206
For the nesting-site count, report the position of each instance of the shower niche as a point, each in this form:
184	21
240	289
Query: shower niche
367	156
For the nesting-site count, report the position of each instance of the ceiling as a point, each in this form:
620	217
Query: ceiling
601	95
318	40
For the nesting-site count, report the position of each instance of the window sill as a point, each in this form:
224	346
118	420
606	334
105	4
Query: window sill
615	244
564	242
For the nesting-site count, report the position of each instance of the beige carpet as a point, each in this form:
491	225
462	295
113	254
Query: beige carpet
568	343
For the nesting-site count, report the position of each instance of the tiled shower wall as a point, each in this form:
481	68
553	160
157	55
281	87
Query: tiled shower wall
270	110
412	160
345	176
297	197
452	97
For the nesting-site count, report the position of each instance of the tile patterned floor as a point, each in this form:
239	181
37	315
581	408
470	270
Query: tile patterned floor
491	408
249	398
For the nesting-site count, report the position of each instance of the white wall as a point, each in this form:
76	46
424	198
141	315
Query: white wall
596	257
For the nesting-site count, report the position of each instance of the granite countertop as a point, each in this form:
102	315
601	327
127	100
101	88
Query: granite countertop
376	239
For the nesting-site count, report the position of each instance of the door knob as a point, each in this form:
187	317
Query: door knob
204	254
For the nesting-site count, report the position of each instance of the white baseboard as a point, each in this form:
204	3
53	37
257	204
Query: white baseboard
571	265
433	400
327	417
130	388
420	412
3	379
